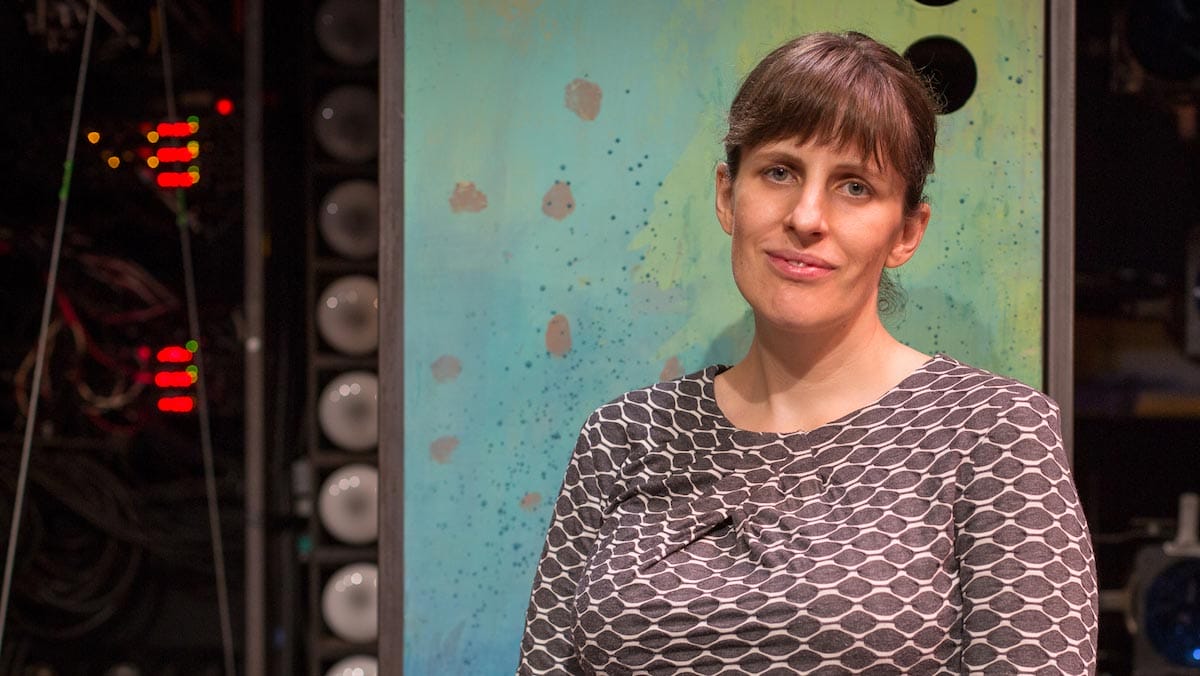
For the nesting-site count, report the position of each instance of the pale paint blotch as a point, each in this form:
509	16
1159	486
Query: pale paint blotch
558	202
558	336
441	448
514	10
530	501
583	98
446	368
466	197
671	370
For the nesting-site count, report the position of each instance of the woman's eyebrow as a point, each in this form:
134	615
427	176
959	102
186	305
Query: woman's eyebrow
781	155
865	169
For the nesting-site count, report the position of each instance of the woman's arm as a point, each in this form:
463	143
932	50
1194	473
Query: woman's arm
548	646
1027	571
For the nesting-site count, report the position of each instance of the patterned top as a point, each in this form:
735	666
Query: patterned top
935	531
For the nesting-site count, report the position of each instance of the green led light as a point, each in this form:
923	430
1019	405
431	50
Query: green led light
192	369
193	118
192	346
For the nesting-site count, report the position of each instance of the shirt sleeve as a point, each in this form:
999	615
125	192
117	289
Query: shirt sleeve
547	646
1026	566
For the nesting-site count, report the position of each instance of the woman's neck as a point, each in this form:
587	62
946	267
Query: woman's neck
789	382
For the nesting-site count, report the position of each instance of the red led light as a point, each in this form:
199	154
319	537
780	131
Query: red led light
174	354
224	106
167	379
174	179
173	155
176	404
166	129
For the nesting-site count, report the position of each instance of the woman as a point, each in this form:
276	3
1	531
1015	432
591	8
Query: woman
836	502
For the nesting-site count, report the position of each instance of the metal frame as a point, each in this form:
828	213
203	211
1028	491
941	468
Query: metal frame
1059	331
255	636
391	337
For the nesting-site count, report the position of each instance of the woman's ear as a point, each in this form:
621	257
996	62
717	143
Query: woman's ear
910	236
725	198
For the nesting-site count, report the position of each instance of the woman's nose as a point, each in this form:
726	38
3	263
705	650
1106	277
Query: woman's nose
807	217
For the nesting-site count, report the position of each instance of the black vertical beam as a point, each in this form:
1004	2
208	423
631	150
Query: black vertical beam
391	337
254	654
1059	349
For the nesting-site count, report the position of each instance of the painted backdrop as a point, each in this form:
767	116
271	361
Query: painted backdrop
561	248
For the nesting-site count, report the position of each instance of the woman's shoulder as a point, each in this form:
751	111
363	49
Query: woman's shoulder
943	372
659	412
689	392
649	417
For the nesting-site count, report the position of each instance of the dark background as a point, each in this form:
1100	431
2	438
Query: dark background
114	565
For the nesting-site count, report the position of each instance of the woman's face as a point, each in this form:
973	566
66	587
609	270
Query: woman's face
813	227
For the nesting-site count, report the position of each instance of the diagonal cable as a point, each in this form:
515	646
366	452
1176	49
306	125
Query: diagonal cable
47	306
206	448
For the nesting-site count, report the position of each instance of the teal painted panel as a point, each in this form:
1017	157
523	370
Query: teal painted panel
561	248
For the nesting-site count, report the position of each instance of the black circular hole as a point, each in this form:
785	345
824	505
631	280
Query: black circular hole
948	66
937	3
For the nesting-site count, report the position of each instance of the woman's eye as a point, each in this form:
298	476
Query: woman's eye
777	173
856	189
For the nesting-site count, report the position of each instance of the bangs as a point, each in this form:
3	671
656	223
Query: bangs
837	91
846	115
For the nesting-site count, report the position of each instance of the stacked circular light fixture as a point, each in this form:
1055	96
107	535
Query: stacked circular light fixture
348	31
347	123
355	665
349	219
348	315
343	199
350	602
349	504
349	411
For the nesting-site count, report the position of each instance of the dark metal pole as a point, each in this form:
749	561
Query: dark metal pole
255	466
391	337
1060	213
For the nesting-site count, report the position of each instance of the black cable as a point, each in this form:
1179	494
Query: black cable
189	278
48	305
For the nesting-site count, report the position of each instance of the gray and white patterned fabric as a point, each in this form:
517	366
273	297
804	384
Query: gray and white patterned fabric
935	531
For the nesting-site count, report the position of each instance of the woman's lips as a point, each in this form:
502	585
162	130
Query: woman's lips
799	266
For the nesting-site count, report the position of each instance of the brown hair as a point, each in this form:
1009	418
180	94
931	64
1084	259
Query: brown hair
839	88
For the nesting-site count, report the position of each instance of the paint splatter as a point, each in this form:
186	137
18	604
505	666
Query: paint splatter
514	10
558	336
583	98
446	367
558	202
441	448
671	370
467	197
530	501
648	298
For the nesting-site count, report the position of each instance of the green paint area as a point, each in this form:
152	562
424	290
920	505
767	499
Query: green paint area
637	266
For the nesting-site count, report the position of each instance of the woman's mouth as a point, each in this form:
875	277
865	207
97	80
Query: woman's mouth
799	266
